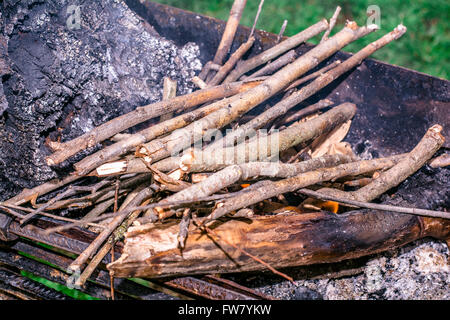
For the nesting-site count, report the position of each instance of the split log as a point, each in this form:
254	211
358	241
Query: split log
281	241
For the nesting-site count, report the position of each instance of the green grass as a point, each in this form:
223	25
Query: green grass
74	293
425	47
58	287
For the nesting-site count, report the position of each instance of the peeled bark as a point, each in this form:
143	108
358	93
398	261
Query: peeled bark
282	241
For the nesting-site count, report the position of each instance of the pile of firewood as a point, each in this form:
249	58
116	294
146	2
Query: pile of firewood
188	203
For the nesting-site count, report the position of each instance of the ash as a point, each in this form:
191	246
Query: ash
417	271
67	67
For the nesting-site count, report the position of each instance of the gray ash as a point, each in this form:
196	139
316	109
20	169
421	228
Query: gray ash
60	79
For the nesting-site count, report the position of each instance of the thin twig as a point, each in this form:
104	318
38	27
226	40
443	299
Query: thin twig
369	205
280	34
331	25
70	191
7	206
256	18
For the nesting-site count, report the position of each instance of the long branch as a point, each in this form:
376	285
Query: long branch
248	100
322	81
228	34
272	189
119	148
376	206
260	148
141	114
277	50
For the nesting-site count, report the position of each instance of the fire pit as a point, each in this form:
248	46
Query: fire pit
391	109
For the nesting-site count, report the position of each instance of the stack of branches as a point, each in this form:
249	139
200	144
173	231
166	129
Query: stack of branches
165	180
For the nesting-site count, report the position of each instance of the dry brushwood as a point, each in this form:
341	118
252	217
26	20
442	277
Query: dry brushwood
101	238
91	162
272	189
140	197
284	105
276	50
260	148
244	102
128	210
237	213
266	147
233	174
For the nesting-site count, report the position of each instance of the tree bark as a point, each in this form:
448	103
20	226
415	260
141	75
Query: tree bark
281	241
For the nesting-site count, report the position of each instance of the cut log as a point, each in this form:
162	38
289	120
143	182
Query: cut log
282	241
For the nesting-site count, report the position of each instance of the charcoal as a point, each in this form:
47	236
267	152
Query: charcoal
68	67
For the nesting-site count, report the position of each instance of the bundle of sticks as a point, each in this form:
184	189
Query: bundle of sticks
189	205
